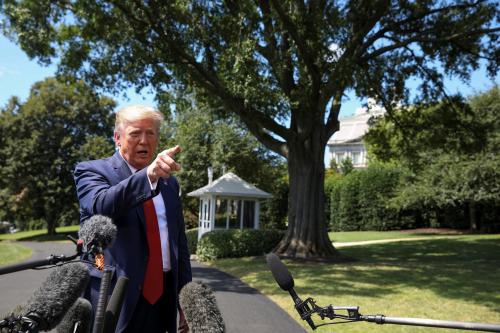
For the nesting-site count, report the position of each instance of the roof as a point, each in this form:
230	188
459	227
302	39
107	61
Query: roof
230	185
355	127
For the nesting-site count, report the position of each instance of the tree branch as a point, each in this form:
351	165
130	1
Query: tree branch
332	122
302	48
280	68
396	25
249	119
209	81
420	38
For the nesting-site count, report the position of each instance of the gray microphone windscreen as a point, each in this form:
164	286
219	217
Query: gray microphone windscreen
200	309
98	231
280	272
58	292
77	319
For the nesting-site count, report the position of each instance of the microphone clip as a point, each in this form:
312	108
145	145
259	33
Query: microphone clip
19	324
309	307
306	308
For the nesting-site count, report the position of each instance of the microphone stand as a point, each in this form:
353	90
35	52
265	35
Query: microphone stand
51	260
308	307
102	301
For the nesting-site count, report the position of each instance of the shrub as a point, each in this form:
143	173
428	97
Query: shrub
237	243
360	201
192	239
332	179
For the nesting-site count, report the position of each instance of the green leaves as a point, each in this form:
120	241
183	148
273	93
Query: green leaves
451	151
42	140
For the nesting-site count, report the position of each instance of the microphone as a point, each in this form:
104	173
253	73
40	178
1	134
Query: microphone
77	319
200	309
50	302
97	233
285	281
115	304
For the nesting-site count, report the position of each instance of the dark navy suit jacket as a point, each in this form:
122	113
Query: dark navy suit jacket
107	187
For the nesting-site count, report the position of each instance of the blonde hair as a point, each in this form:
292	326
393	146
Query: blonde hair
137	112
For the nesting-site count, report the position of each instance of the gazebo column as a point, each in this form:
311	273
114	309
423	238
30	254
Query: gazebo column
212	211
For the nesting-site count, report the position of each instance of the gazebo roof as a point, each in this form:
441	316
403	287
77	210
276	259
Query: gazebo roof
232	186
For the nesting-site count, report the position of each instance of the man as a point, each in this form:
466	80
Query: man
136	190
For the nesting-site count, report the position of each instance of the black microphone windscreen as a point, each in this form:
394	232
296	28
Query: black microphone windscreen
98	230
77	319
280	272
200	309
115	303
57	293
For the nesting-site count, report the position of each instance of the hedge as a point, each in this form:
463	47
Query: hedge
237	243
192	239
360	201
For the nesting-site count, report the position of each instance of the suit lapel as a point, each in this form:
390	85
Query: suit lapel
120	166
123	172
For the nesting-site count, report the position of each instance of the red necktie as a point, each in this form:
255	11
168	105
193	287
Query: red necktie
153	280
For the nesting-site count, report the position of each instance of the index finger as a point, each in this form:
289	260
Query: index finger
172	151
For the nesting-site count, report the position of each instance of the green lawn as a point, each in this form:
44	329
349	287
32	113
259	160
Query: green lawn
451	279
356	236
41	235
11	253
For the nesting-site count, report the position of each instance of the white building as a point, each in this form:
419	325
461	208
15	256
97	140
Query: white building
228	203
347	142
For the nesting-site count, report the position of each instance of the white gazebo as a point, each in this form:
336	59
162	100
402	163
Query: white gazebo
229	202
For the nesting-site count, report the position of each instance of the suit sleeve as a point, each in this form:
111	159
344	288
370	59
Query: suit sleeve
97	195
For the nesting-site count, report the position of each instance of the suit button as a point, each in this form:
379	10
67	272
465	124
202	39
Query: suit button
140	287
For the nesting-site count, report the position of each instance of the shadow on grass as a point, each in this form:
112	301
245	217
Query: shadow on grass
468	270
460	269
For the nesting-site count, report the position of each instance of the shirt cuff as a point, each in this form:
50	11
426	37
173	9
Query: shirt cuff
153	185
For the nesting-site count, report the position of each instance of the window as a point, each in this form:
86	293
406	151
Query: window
356	157
248	214
234	214
221	214
339	156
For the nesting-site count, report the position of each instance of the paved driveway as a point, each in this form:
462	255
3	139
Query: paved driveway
243	308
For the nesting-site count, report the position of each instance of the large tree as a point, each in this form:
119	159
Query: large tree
42	139
282	66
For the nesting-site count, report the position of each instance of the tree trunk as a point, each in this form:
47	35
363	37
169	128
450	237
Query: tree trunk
473	223
51	222
307	234
51	229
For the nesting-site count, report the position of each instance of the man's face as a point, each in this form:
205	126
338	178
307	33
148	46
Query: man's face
137	141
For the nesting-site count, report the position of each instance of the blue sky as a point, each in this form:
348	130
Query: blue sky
18	73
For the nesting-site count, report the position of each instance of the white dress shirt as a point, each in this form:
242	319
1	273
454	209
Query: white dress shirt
161	215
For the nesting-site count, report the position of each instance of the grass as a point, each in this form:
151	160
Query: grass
41	235
11	253
356	236
450	279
